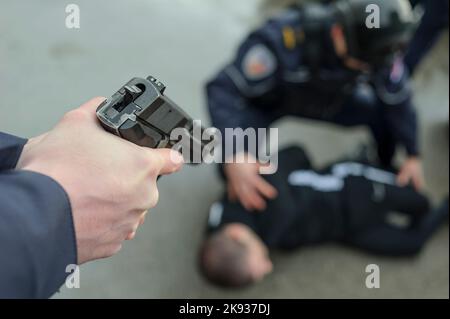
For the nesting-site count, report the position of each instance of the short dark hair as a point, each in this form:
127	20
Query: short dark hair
223	261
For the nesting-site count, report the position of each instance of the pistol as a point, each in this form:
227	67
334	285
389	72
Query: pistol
139	112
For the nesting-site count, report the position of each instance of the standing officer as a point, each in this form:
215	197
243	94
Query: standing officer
330	62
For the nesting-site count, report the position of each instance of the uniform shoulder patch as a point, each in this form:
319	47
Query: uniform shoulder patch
258	63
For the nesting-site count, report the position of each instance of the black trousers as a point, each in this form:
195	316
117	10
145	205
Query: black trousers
364	212
379	236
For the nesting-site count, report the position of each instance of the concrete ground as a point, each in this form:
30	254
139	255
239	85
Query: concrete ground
46	69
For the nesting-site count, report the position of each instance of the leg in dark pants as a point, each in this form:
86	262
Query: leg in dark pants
385	239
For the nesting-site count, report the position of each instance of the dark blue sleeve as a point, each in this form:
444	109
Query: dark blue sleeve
434	20
395	96
403	120
10	150
37	237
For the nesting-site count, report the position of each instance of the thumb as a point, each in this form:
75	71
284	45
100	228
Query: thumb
92	105
170	160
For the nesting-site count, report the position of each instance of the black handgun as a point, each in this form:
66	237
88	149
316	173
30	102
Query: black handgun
140	113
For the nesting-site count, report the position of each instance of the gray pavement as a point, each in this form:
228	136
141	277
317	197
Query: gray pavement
46	69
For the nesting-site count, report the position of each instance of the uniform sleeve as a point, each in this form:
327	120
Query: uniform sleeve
434	20
10	150
394	93
253	75
37	238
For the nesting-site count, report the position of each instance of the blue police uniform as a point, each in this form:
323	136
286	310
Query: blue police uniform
37	237
278	71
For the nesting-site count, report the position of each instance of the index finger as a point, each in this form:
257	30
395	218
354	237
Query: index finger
265	187
167	161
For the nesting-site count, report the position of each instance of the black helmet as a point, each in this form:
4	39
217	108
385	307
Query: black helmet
375	44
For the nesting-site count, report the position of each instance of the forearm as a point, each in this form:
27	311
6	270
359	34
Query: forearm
403	122
37	238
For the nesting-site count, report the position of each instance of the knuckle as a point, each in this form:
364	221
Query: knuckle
149	161
157	161
151	196
154	197
153	171
75	116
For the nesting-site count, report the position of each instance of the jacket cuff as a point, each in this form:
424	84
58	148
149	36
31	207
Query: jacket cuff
37	235
10	149
412	151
